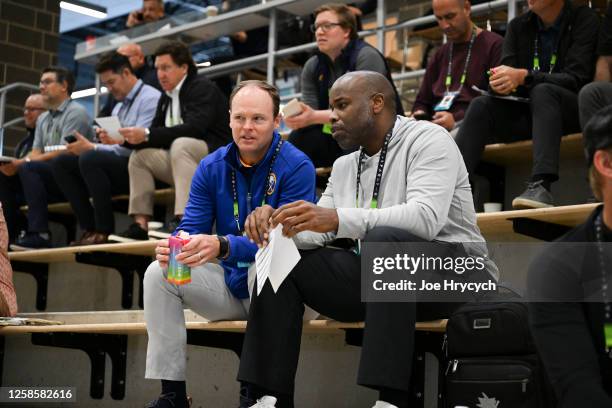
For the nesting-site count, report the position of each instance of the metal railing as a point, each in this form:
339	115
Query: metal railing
3	91
270	57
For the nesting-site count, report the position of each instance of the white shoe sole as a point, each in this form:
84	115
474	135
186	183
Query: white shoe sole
524	203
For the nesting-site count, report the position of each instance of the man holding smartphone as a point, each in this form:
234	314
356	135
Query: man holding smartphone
100	170
152	10
63	118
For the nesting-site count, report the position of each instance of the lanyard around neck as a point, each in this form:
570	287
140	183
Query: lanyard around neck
128	106
379	171
536	56
449	78
265	186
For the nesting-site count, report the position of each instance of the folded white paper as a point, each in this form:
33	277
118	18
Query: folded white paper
276	260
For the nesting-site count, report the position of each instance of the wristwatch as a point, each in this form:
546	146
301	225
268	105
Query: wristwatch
224	247
147	133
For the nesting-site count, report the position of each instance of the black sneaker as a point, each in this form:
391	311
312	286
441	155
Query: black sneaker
536	196
167	230
169	401
134	233
30	240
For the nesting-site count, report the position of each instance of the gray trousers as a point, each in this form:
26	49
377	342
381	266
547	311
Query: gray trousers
592	98
207	295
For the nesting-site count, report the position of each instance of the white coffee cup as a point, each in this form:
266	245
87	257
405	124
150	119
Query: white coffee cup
492	207
212	11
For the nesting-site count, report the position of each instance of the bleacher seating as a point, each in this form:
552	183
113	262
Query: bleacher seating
130	258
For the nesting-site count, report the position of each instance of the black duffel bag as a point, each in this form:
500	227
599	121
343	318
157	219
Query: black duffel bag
492	360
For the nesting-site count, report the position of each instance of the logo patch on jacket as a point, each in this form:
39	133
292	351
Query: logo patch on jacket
271	184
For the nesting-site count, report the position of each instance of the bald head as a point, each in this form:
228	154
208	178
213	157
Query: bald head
33	107
363	109
134	53
368	83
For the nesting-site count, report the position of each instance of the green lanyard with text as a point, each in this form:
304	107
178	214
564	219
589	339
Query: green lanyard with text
536	57
449	78
265	188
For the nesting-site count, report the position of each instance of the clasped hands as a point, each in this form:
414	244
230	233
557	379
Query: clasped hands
295	217
504	79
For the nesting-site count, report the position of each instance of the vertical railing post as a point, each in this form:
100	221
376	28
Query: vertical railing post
380	23
272	46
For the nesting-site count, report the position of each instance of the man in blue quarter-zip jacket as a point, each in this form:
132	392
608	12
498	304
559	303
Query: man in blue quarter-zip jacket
256	169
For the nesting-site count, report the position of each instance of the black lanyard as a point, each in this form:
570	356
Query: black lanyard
129	106
379	172
465	68
265	187
536	57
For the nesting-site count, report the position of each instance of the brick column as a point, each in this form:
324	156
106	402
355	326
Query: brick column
29	42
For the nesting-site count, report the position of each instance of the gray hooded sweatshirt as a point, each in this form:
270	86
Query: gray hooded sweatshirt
424	190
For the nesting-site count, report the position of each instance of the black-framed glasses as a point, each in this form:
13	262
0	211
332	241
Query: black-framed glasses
323	26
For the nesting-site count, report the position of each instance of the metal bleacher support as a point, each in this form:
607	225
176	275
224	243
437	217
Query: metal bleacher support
266	13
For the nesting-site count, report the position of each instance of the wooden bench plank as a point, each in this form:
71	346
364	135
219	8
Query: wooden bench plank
66	254
501	222
132	322
521	152
490	224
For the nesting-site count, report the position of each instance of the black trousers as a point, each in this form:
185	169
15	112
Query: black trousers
95	174
551	113
11	197
320	147
40	189
329	281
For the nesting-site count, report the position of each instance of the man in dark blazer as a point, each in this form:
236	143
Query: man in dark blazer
191	121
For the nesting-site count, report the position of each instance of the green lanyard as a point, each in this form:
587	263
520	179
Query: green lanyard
449	78
379	172
536	57
265	188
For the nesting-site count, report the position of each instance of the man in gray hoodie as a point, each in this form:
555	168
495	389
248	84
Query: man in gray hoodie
407	183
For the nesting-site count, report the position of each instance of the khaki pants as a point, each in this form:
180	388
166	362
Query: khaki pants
175	167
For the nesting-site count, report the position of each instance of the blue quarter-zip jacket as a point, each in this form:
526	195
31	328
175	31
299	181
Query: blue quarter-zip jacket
211	200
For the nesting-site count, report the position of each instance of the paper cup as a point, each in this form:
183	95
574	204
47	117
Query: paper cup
492	207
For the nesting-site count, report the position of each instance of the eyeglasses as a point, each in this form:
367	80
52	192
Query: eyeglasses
323	26
26	109
47	82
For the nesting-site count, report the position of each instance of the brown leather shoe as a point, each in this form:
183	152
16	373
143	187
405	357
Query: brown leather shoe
80	241
95	238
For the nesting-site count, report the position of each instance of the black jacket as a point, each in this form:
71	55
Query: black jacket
575	54
569	335
205	114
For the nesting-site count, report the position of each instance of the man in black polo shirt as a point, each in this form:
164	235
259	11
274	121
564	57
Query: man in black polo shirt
548	55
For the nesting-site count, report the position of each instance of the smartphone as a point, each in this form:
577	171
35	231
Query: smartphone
139	16
70	139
